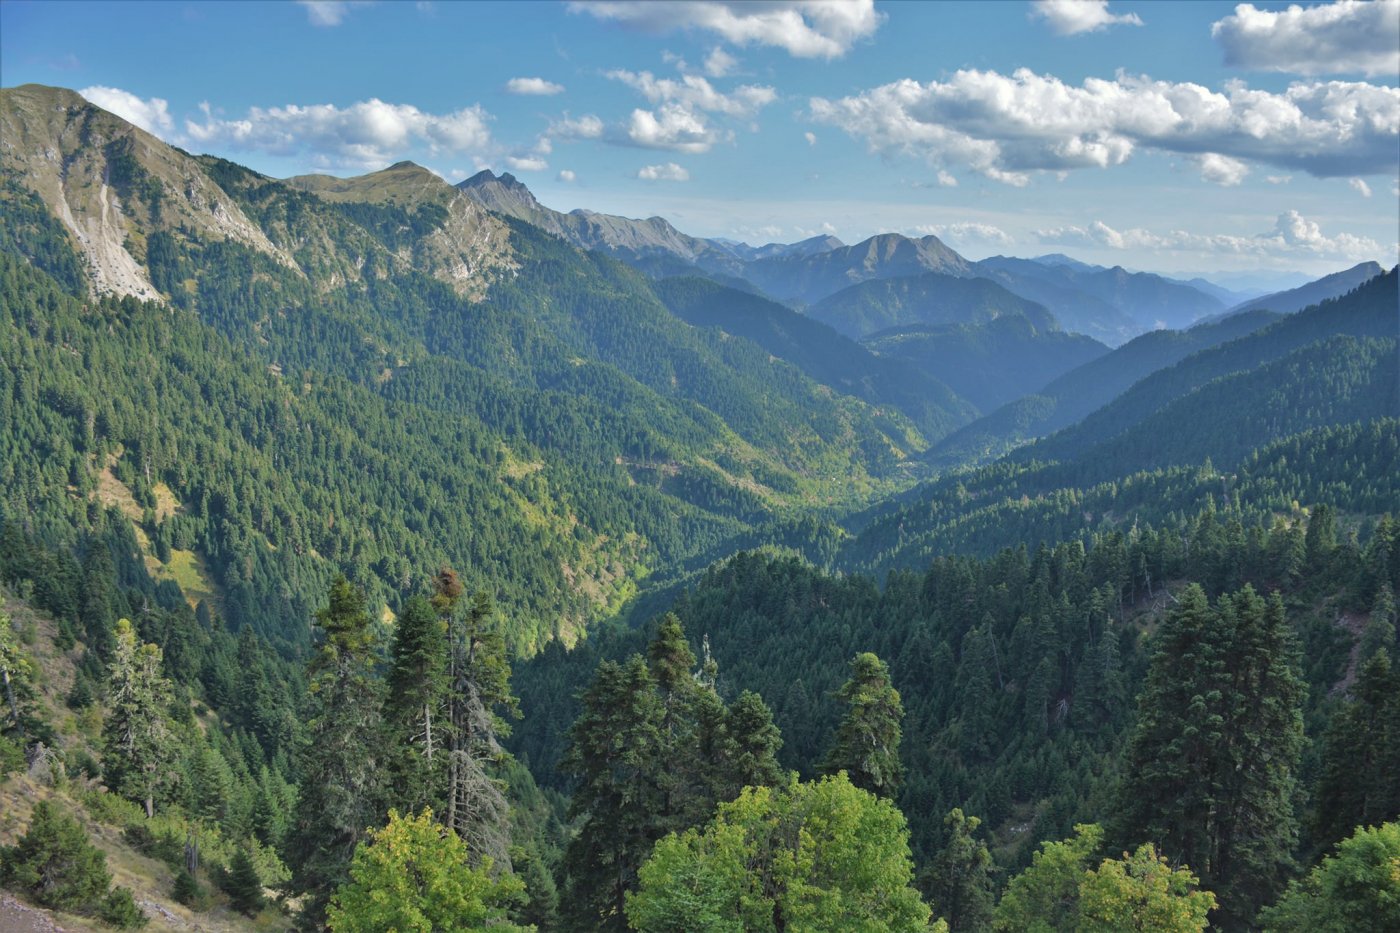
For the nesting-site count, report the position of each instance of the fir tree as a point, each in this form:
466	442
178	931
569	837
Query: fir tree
867	741
340	762
139	748
959	882
417	688
1209	772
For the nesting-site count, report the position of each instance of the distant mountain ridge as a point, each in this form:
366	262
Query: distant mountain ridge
1296	299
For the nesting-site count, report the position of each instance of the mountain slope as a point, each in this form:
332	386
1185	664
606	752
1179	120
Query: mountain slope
819	352
993	363
1111	305
327	394
652	244
807	279
1296	299
933	298
1368	311
1074	395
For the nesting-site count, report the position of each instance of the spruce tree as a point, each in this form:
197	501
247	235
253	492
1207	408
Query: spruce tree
340	763
867	741
1360	782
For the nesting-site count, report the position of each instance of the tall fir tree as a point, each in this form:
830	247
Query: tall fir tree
867	741
1209	770
959	882
417	687
139	747
340	762
1360	782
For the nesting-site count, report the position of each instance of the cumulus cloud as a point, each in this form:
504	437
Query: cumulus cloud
567	176
1278	179
1072	17
967	233
668	172
329	12
695	91
804	28
1222	170
585	127
673	126
946	180
1293	235
1006	126
1346	37
365	134
529	163
811	138
1360	186
152	115
533	86
719	63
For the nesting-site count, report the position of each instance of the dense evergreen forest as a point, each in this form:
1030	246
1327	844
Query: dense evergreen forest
332	596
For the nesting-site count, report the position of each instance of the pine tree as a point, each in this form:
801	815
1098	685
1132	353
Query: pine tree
867	741
243	886
341	759
1209	771
139	749
751	750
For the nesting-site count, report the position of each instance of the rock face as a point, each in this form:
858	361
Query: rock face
112	185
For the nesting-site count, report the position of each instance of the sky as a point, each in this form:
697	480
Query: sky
1187	138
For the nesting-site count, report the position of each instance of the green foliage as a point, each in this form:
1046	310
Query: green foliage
1141	891
139	746
1360	780
867	741
243	885
820	856
54	863
1210	769
187	889
415	704
340	764
959	883
414	875
1357	890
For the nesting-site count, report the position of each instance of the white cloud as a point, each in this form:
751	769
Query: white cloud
811	138
668	172
365	134
329	12
695	91
1006	126
533	86
1278	179
1346	37
1292	236
967	233
526	163
719	63
1360	186
675	127
1222	170
585	127
567	176
946	180
1072	17
804	28
151	115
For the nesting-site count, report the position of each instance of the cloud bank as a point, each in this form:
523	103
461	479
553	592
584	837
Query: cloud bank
151	115
1346	37
1007	126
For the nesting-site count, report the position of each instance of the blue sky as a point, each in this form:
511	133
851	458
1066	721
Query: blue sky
1176	137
